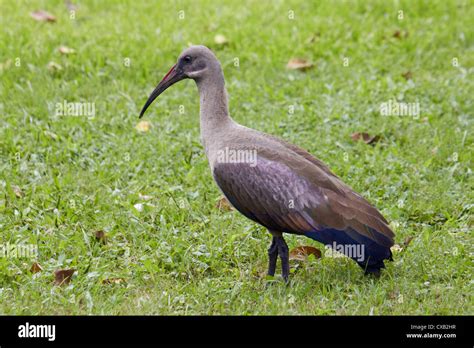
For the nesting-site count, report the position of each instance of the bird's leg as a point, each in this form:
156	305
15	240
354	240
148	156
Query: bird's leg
279	248
272	257
285	258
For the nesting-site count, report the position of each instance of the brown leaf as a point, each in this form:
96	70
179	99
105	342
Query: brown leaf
36	267
109	281
223	204
66	50
394	294
365	137
143	126
400	34
407	241
301	253
298	64
100	236
407	75
18	192
63	276
43	16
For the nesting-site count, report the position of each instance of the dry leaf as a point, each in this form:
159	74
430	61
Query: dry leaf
18	192
407	241
407	75
100	236
399	34
113	281
53	66
43	16
143	126
301	253
66	50
298	64
220	39
365	137
36	267
223	204
63	276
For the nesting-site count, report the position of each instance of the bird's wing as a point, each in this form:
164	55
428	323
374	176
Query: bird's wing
349	193
288	193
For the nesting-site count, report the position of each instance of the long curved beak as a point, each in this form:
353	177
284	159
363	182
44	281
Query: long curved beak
173	76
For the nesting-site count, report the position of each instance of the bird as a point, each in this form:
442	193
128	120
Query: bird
275	183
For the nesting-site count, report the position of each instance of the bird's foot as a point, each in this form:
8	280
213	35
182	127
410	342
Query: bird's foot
279	248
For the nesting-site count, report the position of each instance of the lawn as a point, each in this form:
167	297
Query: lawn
168	249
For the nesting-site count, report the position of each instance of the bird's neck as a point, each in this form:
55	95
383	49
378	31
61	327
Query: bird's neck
214	110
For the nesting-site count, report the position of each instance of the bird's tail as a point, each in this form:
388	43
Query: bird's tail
368	254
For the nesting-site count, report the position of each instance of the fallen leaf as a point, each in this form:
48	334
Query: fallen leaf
66	50
100	236
365	137
407	241
143	126
53	66
63	276
113	281
220	39
43	16
301	253
298	64
407	75
399	34
36	267
18	192
223	204
394	294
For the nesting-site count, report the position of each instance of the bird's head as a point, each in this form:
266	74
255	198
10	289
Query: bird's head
195	62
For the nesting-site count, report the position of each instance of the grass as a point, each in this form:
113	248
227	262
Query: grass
181	255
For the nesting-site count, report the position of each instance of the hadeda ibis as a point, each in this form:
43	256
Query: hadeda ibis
277	184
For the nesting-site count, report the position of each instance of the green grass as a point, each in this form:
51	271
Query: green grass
181	255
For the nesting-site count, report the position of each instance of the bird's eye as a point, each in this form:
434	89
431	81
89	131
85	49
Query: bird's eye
187	59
